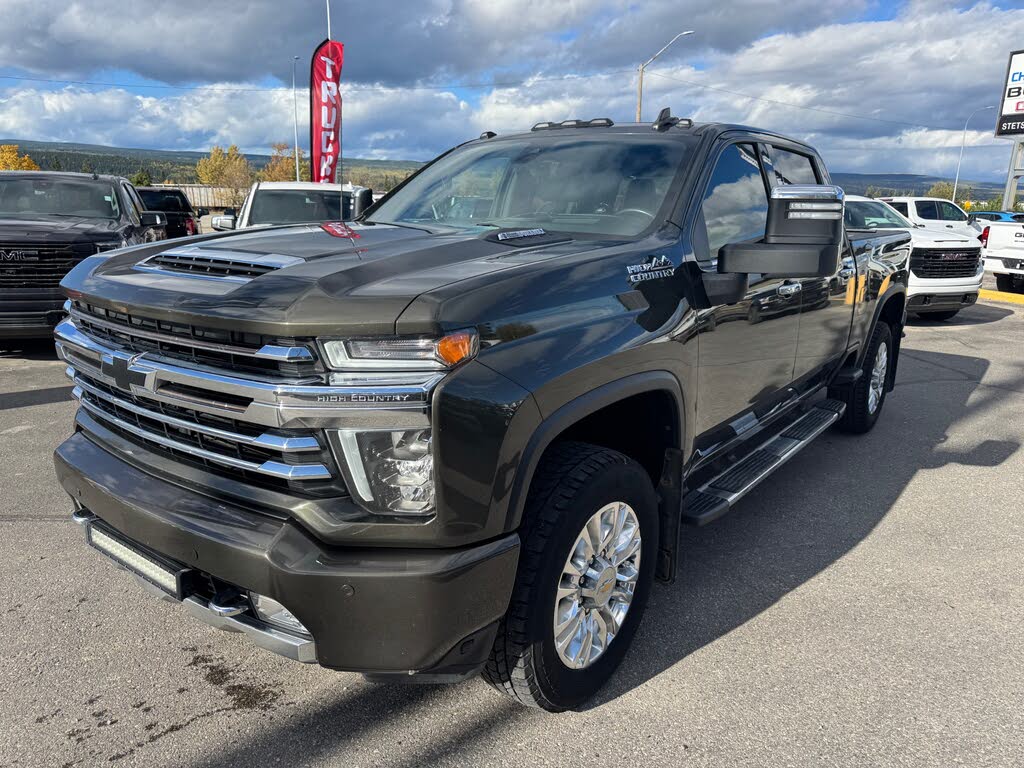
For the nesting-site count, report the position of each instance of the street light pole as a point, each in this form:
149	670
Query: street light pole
295	118
642	67
963	141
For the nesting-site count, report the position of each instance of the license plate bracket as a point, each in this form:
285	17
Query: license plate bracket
164	574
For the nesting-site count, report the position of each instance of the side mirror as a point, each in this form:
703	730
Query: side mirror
152	219
803	237
223	223
200	212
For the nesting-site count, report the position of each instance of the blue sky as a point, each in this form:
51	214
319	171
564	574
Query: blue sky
917	67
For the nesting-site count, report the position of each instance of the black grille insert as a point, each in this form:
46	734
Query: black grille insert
934	263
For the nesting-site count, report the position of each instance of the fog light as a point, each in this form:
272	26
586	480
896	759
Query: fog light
274	613
390	472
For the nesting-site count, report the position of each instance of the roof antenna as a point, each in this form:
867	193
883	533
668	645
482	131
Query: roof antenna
664	120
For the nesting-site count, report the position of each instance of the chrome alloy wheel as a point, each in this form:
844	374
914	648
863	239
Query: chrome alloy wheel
877	385
597	584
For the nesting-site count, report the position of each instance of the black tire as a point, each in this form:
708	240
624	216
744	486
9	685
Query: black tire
938	317
858	417
574	481
1005	283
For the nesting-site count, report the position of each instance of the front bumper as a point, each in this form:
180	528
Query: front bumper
940	302
29	319
423	612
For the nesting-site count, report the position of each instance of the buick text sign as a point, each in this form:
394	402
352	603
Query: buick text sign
1011	108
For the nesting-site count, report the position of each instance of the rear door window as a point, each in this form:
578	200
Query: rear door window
792	167
928	209
901	207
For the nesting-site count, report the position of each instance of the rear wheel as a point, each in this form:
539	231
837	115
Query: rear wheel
589	545
864	400
1005	283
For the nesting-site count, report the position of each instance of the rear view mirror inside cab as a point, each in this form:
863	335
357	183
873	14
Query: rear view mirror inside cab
803	237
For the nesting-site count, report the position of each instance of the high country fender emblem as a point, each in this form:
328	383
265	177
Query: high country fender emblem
658	267
19	255
520	233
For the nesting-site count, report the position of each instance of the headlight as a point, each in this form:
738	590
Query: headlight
111	245
391	472
402	353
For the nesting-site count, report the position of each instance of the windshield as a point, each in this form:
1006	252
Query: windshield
166	200
863	214
581	185
58	197
298	206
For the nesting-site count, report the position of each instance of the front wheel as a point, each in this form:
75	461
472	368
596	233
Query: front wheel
589	545
864	400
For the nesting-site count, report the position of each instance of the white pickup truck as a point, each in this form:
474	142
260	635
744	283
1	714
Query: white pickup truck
1002	245
272	203
945	266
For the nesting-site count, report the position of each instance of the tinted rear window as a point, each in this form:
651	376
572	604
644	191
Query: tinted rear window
167	200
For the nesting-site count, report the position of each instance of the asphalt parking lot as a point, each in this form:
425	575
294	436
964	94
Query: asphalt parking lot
863	607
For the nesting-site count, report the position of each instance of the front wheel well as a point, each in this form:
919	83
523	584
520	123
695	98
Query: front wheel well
641	426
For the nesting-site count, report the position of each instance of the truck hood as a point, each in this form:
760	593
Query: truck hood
319	281
56	229
936	238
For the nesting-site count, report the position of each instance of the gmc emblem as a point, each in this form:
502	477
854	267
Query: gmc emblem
19	255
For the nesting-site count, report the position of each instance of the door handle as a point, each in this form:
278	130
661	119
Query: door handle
789	289
847	272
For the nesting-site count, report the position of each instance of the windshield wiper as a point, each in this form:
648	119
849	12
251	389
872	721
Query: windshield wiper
403	226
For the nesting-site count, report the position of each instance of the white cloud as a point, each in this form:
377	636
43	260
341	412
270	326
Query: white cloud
929	66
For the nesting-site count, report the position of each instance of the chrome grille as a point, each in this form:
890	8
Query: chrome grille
934	263
283	459
239	351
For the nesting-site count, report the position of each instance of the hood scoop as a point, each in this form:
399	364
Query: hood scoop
215	263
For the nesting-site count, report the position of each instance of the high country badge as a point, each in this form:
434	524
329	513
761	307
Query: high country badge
655	269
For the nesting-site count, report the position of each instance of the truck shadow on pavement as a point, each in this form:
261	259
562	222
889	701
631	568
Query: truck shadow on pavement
814	511
978	314
28	349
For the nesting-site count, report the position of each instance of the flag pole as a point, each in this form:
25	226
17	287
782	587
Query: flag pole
328	19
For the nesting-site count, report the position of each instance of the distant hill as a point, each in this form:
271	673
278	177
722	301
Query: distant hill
909	184
180	166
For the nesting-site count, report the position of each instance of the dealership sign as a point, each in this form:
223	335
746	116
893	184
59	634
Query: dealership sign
1011	109
325	110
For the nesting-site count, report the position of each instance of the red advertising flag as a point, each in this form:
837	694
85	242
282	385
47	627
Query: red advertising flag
325	110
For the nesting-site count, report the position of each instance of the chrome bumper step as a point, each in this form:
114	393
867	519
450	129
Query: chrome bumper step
718	495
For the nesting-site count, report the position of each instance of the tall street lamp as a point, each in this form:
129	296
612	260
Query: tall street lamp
295	118
642	67
963	141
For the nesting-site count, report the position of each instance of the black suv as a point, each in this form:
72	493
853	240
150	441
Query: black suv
463	433
49	222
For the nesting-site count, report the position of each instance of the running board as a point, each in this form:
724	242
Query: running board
717	496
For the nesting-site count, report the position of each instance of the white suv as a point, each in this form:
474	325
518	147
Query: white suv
935	213
945	267
271	203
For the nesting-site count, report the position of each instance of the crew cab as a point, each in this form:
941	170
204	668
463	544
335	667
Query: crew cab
49	222
1003	250
946	269
936	214
271	203
462	434
182	218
